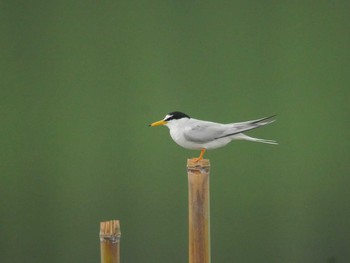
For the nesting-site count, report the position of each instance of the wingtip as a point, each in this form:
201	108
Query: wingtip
266	120
271	117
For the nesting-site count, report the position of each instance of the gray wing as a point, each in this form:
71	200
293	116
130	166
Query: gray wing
205	132
208	131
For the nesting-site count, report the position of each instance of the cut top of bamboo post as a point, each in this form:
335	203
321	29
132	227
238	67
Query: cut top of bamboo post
202	164
110	230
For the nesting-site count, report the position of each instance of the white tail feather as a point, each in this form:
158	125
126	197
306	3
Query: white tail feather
242	136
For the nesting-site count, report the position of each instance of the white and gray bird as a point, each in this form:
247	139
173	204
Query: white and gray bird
201	135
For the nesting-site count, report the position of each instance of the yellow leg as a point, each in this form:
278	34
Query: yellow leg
200	156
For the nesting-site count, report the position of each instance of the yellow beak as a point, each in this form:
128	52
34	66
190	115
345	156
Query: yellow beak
158	123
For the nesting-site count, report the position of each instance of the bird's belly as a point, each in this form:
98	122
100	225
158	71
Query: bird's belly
181	140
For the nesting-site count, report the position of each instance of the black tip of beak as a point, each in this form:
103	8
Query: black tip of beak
149	125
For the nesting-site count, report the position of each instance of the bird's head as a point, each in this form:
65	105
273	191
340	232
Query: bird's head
172	117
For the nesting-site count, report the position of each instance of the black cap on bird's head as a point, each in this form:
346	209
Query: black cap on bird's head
175	115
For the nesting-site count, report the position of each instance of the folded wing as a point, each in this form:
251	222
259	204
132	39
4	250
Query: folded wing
208	131
204	132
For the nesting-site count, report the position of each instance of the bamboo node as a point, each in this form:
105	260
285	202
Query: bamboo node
202	170
112	239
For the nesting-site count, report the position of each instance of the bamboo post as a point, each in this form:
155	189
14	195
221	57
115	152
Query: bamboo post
199	212
109	241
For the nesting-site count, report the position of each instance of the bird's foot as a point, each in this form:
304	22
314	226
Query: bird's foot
196	160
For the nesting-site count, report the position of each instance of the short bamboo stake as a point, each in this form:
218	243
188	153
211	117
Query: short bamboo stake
110	241
199	212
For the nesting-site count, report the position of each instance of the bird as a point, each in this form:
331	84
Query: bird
203	135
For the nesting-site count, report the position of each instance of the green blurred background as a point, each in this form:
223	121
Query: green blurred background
81	81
